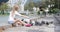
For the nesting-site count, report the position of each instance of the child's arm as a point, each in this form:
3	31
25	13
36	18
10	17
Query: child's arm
22	15
25	16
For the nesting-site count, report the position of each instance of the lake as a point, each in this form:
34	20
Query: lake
3	19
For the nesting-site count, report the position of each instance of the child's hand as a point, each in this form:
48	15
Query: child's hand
26	17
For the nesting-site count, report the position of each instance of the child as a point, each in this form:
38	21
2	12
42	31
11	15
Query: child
12	20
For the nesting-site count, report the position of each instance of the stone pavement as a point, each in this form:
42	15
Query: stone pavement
43	28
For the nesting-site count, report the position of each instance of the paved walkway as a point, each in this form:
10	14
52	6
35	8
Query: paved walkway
57	23
43	28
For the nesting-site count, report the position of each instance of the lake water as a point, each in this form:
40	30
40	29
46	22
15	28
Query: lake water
3	19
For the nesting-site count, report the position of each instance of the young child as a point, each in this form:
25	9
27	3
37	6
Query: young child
12	20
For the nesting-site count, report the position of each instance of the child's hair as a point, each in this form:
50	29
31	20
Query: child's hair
16	7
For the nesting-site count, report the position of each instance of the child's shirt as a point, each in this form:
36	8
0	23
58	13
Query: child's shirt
11	18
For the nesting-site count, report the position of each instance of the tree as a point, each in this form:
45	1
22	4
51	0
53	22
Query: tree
57	4
3	7
29	6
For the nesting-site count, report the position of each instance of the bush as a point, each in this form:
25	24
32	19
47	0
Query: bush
38	12
55	10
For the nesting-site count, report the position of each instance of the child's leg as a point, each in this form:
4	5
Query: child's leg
27	25
19	22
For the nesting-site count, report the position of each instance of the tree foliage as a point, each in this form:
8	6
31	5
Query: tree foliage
29	6
57	4
3	7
